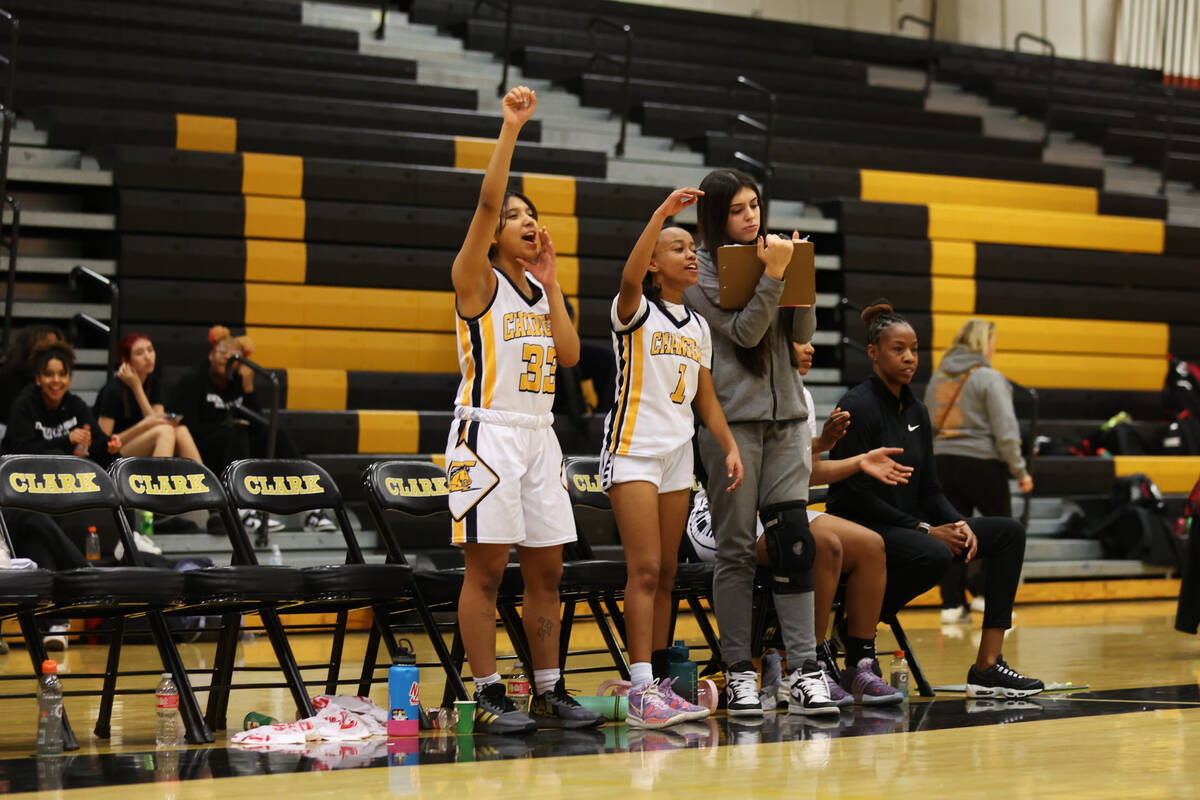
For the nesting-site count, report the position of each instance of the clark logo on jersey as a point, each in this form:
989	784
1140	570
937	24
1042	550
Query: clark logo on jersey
469	480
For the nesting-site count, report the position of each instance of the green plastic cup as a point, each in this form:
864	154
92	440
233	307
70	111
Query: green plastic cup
466	715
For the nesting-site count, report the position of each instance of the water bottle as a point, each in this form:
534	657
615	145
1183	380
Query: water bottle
404	695
167	697
146	523
518	687
898	673
683	670
50	708
274	556
91	545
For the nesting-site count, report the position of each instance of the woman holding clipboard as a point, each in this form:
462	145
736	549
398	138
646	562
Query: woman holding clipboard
761	394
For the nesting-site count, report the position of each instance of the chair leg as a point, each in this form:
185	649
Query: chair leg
37	654
618	619
222	671
564	633
456	654
610	639
286	659
370	656
102	728
706	628
197	729
335	653
516	634
914	667
673	619
454	679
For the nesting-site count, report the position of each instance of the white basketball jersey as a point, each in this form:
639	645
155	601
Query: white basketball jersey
659	355
506	354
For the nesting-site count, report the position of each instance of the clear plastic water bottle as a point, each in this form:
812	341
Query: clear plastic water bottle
898	673
50	708
518	687
274	556
167	701
91	545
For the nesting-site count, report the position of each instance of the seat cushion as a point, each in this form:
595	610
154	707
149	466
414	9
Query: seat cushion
593	576
372	582
153	587
268	584
25	588
694	577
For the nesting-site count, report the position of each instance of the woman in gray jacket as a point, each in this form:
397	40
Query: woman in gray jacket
761	393
978	441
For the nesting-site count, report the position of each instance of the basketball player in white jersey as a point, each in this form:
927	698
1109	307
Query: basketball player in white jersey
503	462
664	352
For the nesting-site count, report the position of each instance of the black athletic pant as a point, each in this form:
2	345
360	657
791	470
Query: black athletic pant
971	484
917	561
40	539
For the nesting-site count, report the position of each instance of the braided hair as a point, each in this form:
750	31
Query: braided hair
879	316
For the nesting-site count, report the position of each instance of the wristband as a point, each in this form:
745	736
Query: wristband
925	528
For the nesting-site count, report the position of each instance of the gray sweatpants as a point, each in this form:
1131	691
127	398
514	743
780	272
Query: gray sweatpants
777	458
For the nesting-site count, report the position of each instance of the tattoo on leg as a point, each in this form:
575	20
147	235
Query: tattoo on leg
545	628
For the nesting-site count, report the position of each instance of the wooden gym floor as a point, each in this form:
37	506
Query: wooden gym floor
1134	733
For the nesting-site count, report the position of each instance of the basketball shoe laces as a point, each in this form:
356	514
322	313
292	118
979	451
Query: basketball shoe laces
743	690
814	686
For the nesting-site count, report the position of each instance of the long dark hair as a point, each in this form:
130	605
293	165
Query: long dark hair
493	250
712	217
19	356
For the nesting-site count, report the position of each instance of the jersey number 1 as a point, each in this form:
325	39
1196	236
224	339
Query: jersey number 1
677	395
534	355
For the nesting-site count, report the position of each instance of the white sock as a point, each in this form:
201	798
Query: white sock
487	680
545	679
640	674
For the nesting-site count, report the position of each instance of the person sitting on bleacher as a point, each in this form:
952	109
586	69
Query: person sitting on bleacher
977	444
47	418
227	422
17	370
131	406
921	530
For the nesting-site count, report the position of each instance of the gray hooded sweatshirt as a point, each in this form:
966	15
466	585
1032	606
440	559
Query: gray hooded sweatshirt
776	396
982	424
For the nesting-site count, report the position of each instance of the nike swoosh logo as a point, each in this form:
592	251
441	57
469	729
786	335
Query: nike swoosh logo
912	428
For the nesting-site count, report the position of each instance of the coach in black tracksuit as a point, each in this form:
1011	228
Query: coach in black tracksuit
921	530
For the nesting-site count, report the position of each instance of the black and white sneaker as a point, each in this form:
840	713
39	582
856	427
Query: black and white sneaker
495	712
741	692
319	521
252	521
557	709
1000	680
808	693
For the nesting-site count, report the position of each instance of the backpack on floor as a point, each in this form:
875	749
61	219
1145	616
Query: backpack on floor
1136	525
1117	437
1181	436
1181	390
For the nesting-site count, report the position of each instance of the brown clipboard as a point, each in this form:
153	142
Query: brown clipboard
738	271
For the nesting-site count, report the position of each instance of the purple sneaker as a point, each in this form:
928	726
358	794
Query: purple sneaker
648	708
691	711
867	687
837	695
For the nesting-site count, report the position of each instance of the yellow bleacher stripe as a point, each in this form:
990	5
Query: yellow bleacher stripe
551	194
1050	334
388	431
194	132
952	259
316	389
276	262
952	294
912	187
354	350
1082	370
276	176
346	307
1174	474
564	233
568	274
439	459
977	223
274	217
472	153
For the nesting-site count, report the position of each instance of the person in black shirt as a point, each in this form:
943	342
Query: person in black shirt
921	530
131	406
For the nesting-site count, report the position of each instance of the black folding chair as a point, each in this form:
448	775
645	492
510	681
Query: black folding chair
172	486
59	485
298	486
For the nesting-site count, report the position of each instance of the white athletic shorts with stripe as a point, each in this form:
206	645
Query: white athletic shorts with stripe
504	474
670	473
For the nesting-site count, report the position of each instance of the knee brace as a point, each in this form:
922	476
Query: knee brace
790	547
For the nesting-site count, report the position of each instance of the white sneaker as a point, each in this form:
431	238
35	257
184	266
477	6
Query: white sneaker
55	640
252	521
809	692
978	604
318	521
741	695
959	615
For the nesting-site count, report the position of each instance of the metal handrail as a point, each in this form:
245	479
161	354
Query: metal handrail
1022	36
270	375
507	8
627	65
80	274
14	238
383	12
931	26
768	129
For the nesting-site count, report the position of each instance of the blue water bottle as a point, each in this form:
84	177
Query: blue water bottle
404	695
683	670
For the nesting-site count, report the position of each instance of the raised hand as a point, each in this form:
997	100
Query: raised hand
879	465
775	252
545	268
518	105
678	200
127	376
834	429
